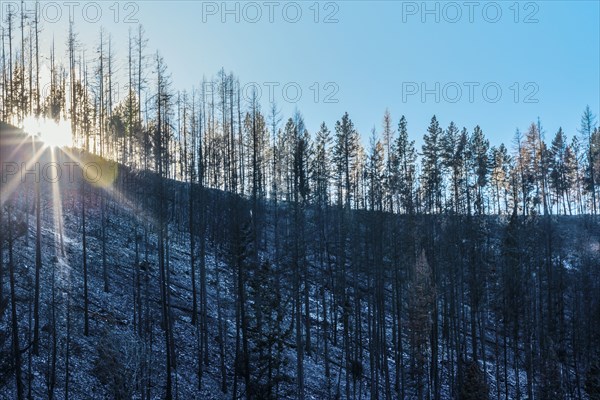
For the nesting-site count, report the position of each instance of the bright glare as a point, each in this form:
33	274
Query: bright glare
49	131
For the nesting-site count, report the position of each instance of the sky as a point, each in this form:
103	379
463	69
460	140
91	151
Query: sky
500	65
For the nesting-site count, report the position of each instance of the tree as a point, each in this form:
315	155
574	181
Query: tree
523	171
300	192
321	175
500	174
422	297
571	181
160	138
533	158
242	251
38	261
474	386
388	133
480	166
404	168
13	233
345	156
376	174
431	171
559	169
266	332
590	135
454	148
321	167
255	128
83	197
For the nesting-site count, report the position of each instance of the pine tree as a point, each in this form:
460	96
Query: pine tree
534	161
523	172
558	169
345	157
431	171
321	173
570	182
500	176
480	166
404	168
376	173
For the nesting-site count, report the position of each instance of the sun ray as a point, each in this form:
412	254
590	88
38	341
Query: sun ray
107	185
17	177
57	212
52	133
18	145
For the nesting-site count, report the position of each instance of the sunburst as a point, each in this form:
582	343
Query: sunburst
50	132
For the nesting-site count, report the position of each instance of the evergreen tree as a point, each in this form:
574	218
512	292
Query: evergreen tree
376	173
480	166
404	168
558	169
454	152
321	166
345	158
500	168
431	170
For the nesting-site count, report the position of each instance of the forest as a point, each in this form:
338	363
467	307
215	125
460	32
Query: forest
231	253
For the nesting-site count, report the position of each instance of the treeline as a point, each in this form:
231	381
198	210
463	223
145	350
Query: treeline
243	149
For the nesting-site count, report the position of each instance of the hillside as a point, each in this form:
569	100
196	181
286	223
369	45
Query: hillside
241	296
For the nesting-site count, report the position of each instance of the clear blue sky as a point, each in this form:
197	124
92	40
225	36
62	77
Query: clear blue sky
377	55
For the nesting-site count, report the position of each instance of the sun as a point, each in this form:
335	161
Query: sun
52	133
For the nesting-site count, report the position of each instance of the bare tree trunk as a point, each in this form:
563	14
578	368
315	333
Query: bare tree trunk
38	263
13	301
84	255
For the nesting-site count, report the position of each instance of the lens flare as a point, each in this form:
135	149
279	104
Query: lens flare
52	133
